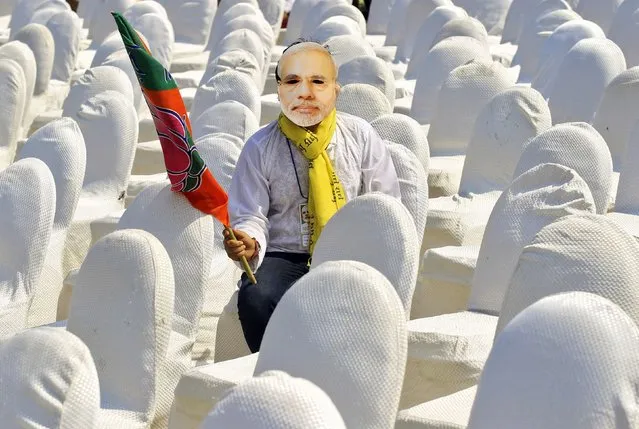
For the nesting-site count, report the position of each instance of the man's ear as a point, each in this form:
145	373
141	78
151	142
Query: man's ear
338	89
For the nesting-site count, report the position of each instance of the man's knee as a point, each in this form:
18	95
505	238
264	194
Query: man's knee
252	299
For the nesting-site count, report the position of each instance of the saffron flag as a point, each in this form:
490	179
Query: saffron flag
187	171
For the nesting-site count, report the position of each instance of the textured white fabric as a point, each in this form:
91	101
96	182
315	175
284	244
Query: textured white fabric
462	27
616	115
297	17
191	20
25	9
578	146
121	60
372	71
39	39
601	12
409	14
447	412
623	29
238	59
491	13
275	400
344	9
426	34
60	146
434	69
587	253
227	85
378	16
43	14
363	100
626	200
463	94
363	318
316	16
48	380
413	185
249	41
580	83
12	88
503	126
229	117
112	43
522	12
23	55
335	26
569	360
557	46
392	249
535	199
144	6
93	82
348	47
65	29
227	11
273	11
101	23
159	36
405	131
133	346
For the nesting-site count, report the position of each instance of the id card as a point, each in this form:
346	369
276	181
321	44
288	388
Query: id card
304	225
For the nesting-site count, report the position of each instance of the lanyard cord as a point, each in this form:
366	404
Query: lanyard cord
299	186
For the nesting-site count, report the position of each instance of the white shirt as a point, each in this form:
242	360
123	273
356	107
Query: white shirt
265	198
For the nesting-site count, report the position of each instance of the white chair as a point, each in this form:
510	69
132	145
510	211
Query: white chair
121	60
24	10
12	86
363	100
65	29
335	26
316	16
101	23
273	11
522	12
447	352
464	26
622	31
158	34
39	39
49	379
23	55
248	40
130	350
582	78
343	9
275	400
626	210
238	59
296	19
599	12
491	14
370	70
142	7
347	47
231	117
378	17
192	20
60	146
403	130
557	46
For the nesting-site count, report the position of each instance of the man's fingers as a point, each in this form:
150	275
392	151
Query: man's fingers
232	244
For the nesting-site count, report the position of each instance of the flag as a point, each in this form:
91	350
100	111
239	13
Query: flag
187	171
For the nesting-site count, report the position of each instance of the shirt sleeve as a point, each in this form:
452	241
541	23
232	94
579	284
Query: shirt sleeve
378	170
249	199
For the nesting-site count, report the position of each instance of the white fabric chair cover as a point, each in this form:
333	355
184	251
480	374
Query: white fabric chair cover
101	23
463	94
582	78
240	60
449	412
254	23
44	13
112	43
85	10
405	131
536	371
296	19
392	249
229	117
132	347
522	12
363	318
348	47
623	29
39	39
409	14
247	40
228	85
25	9
227	11
372	71
437	64
23	55
426	34
65	29
273	11
578	146
121	60
335	26
48	379
557	46
363	100
464	26
27	202
60	145
316	16
623	16
600	12
587	253
491	13
12	88
275	400
344	9
532	40
413	185
616	115
93	82
191	20
626	200
142	7
378	16
159	36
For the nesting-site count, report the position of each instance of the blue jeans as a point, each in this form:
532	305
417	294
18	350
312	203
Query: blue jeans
256	303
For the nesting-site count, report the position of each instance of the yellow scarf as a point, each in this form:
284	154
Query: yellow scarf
326	194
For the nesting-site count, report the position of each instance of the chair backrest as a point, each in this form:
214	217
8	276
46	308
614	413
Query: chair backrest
463	95
12	88
315	17
623	29
363	100
372	71
231	117
93	82
536	370
413	186
522	12
578	146
273	11
191	20
464	26
25	9
39	39
247	40
275	400
617	113
437	64
348	10
426	34
228	10
557	46
582	78
109	125
23	55
255	23
503	127
101	24
586	253
237	59
121	60
627	200
378	16
491	13
404	130
159	36
112	43
348	47
133	345
336	26
228	85
27	208
48	377
296	19
392	247
144	6
409	14
600	12
44	13
363	319
65	29
535	199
